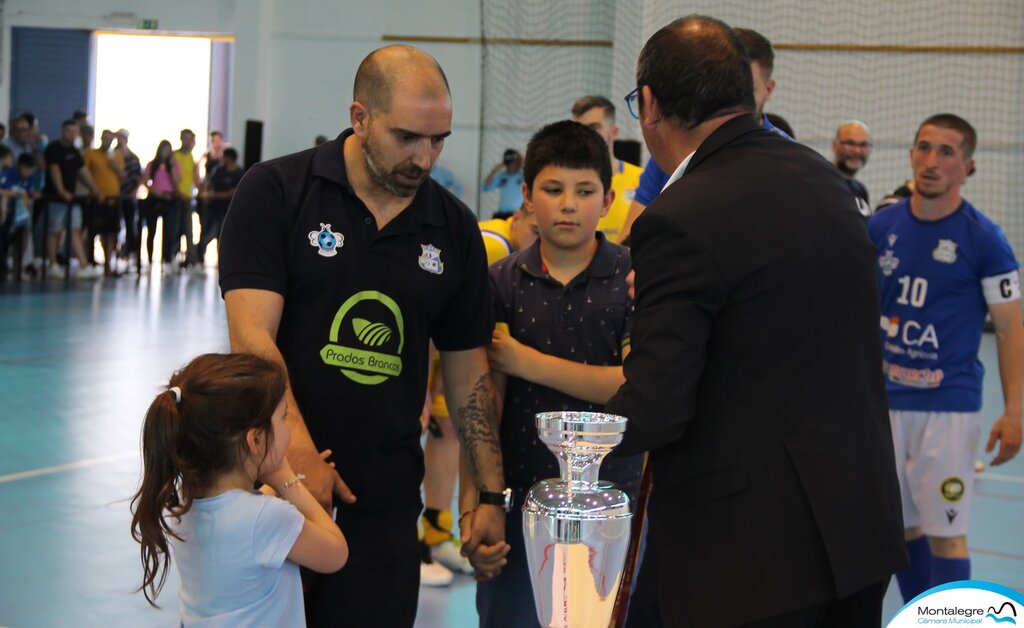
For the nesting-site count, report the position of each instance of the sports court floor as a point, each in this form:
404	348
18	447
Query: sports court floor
79	365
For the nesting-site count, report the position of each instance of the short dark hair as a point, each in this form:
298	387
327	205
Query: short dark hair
759	49
29	117
230	153
568	144
68	122
586	103
5	151
188	131
79	114
697	68
217	133
27	160
955	123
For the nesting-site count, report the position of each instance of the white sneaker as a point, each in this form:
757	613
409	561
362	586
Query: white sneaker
434	575
448	554
168	269
56	272
89	272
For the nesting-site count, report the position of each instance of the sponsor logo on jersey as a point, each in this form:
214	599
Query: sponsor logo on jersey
325	241
914	378
952	489
945	252
430	259
911	334
951	515
366	338
892	239
888	263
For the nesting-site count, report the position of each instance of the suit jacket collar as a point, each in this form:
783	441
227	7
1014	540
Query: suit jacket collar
723	135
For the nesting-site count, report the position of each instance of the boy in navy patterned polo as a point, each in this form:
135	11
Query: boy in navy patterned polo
563	316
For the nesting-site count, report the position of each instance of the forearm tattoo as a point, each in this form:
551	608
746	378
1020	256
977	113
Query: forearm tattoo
477	429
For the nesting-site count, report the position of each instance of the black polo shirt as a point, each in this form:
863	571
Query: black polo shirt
359	306
586	321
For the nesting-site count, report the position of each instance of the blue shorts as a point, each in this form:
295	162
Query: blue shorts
58	216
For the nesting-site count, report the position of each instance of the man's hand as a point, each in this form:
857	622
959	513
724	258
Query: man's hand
1007	430
483	540
321	478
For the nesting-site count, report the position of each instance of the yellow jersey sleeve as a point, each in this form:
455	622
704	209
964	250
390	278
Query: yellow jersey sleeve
625	181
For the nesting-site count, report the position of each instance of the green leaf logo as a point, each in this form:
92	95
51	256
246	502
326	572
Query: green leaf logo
371	334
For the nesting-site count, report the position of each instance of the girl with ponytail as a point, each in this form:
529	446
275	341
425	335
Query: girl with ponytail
217	430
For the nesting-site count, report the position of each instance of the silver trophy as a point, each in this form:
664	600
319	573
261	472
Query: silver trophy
576	528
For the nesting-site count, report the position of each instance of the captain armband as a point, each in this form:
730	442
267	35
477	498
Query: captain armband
1001	288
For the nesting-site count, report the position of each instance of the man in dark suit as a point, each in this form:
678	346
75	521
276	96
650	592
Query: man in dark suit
754	377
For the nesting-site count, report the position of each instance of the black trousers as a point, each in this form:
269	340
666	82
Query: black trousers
862	609
379	586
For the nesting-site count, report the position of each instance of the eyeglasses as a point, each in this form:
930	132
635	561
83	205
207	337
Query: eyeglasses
853	144
632	104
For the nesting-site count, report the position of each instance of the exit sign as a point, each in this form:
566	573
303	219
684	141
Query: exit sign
149	24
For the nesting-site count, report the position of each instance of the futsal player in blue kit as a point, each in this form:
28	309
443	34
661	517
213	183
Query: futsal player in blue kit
942	265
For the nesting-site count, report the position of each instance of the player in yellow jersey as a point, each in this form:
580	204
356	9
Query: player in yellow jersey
502	236
598	113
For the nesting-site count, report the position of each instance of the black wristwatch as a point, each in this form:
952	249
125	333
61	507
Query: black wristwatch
502	499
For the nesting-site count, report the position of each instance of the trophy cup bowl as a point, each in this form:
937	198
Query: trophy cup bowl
576	528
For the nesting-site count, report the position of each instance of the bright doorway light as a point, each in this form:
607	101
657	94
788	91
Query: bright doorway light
154	86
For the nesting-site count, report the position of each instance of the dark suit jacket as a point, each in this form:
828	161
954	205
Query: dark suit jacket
755	381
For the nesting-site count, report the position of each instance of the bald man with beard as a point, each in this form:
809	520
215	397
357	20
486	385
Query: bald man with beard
342	262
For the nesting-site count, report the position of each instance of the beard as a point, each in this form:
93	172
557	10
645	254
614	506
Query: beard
389	181
845	168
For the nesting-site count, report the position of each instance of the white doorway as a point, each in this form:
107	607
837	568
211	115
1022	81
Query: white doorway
155	85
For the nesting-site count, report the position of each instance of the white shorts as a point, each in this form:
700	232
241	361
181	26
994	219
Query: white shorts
935	453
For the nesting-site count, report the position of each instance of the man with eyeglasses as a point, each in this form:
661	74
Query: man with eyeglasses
851	148
753	270
762	64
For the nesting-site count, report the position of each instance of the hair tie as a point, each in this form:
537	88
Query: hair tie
177	393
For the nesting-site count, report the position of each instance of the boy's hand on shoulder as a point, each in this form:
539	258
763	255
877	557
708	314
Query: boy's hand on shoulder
508	355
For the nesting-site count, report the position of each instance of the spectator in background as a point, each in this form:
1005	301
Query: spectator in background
65	167
17	226
211	158
217	191
447	180
128	202
26	140
161	178
107	170
598	113
851	148
81	118
507	178
187	183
